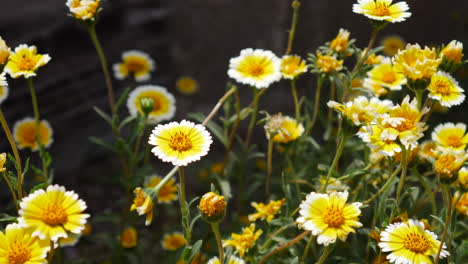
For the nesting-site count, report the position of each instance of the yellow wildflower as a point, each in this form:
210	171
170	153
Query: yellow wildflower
212	207
385	75
382	10
392	44
328	63
3	158
266	211
129	238
167	193
340	43
24	132
462	204
173	241
292	66
25	61
427	150
187	85
244	241
450	162
445	89
450	136
283	129
453	52
416	63
136	63
83	9
463	177
143	205
4	52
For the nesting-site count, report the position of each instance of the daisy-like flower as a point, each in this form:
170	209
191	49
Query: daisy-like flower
180	143
143	204
24	132
255	67
463	177
83	9
416	63
266	211
410	243
3	88
382	10
445	89
69	241
19	246
4	52
385	75
450	136
384	143
428	150
129	238
362	110
187	85
52	213
453	52
462	204
283	129
134	63
232	260
292	66
25	61
449	162
393	44
167	193
328	216
173	241
327	63
341	41
244	241
163	103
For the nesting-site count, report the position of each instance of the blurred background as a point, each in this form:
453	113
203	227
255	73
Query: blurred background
185	37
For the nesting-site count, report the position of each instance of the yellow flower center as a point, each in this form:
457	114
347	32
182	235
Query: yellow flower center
454	141
139	198
54	214
26	63
389	77
180	142
381	10
416	242
256	70
442	87
334	217
446	164
18	253
135	66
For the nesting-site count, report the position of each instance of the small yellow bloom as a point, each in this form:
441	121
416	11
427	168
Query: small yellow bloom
3	88
428	150
129	238
266	211
445	89
136	63
463	177
180	143
385	75
340	43
292	66
410	242
25	61
19	246
416	63
374	59
362	110
173	241
143	205
4	52
450	136
283	129
392	44
164	105
462	204
167	193
382	10
187	85
328	216
212	207
328	63
243	242
24	132
3	158
53	213
453	52
450	162
83	9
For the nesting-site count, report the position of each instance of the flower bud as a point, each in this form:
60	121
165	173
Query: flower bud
212	207
147	105
4	52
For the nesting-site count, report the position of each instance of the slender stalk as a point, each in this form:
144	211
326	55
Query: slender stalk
336	159
448	218
269	168
14	148
12	190
215	228
296	99
277	232
385	187
317	102
232	135
306	250
404	165
105	68
328	130
429	191
218	105
419	96
326	251
366	52
253	119
285	246
295	5
183	207
50	257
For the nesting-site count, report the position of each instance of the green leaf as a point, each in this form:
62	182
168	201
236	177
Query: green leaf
7	218
39	186
104	116
13	180
225	187
126	121
122	99
103	144
195	249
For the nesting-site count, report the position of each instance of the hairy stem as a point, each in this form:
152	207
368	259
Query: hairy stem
215	228
317	102
285	246
448	198
269	168
295	5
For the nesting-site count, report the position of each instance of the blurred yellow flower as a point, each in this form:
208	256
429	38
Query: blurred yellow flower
167	193
416	63
340	43
180	143
428	150
450	136
232	260
445	89
173	241
212	207
4	52
83	9
392	44
187	85
143	204
328	216
283	129
374	59
163	103
3	88
328	63
3	158
129	238
24	132
244	241
292	66
135	63
385	75
53	213
463	177
266	211
462	204
449	162
25	61
19	246
362	110
453	52
382	10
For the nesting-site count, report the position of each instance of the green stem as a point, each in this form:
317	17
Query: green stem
269	167
306	250
105	69
183	207
317	102
14	148
448	199
419	96
285	246
215	228
386	185
404	165
326	251
253	119
429	191
232	134
296	99
12	190
277	232
328	130
295	5
336	159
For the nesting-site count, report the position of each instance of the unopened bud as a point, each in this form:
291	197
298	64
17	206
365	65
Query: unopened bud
147	105
212	207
